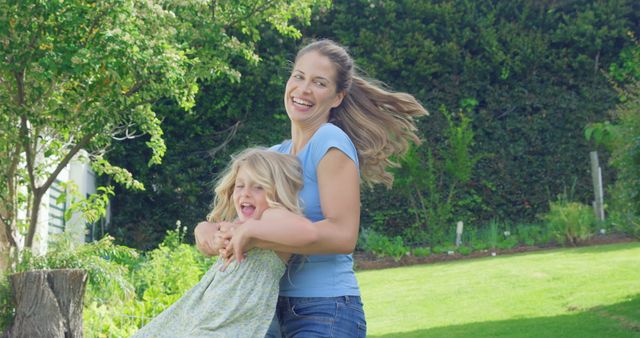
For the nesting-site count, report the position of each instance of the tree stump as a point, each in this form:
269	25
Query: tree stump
48	303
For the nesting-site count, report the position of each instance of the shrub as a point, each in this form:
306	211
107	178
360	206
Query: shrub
570	222
508	243
464	250
439	249
159	279
491	234
479	245
530	234
6	304
383	246
424	251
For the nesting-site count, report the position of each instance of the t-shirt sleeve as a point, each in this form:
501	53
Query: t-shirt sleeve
280	148
330	136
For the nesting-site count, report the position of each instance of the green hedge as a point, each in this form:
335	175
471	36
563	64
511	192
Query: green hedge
535	68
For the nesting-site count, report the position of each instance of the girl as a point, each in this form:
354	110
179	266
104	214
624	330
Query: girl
239	301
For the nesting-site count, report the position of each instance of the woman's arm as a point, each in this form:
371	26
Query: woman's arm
296	231
339	188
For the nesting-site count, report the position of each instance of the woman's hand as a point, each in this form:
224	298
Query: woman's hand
240	242
212	238
235	242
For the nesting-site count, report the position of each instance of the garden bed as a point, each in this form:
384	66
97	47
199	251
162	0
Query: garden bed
369	261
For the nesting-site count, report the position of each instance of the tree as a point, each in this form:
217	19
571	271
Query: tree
79	74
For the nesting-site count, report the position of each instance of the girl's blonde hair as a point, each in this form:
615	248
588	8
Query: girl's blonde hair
280	175
379	122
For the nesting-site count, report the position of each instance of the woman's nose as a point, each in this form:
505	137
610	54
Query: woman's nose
306	87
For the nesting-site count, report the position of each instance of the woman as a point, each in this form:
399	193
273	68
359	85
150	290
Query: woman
343	129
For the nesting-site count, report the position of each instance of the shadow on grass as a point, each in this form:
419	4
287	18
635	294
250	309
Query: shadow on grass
612	321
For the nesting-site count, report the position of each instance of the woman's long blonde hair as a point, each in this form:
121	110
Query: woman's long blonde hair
379	122
280	175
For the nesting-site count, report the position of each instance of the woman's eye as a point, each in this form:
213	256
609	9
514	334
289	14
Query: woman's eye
297	76
321	84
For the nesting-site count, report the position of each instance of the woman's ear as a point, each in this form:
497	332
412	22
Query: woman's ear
338	100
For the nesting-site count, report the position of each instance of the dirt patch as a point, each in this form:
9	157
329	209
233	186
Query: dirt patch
368	261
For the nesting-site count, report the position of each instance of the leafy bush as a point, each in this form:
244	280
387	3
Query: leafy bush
434	181
383	246
508	243
164	275
479	245
464	250
6	303
532	234
491	234
424	251
439	249
570	222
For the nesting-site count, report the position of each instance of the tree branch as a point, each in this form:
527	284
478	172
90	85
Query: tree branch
94	24
11	174
32	45
9	206
233	130
19	77
136	88
9	232
252	12
212	8
84	141
40	101
24	139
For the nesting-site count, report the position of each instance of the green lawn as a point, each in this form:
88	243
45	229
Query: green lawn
581	292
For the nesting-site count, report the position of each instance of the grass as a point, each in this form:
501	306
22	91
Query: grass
581	292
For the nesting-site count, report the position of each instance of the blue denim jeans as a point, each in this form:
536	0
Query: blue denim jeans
335	317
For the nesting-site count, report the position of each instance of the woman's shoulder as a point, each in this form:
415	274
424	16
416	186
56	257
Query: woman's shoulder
329	133
282	147
331	136
330	130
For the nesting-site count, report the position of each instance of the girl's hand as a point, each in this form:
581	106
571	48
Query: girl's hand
208	239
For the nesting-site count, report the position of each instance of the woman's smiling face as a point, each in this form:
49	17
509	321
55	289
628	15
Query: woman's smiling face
249	197
311	89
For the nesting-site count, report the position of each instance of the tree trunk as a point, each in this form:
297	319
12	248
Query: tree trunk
33	222
48	303
5	247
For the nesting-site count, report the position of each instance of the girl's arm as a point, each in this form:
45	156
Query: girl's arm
339	187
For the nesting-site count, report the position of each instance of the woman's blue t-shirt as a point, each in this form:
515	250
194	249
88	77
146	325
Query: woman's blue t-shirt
319	275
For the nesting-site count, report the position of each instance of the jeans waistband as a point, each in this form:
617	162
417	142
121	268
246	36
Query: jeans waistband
339	299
